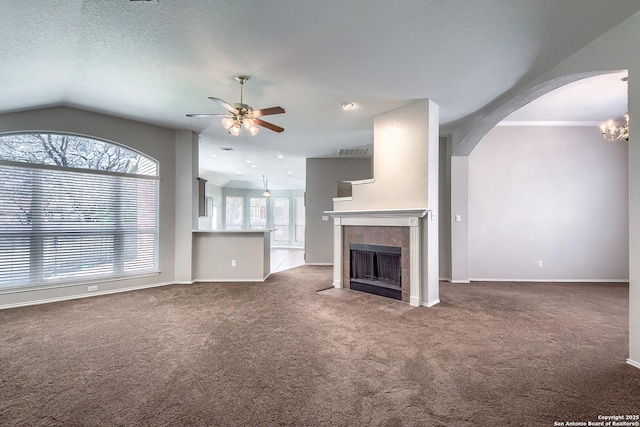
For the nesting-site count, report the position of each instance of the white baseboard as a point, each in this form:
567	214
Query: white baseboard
337	284
252	280
633	363
445	279
460	281
551	280
85	295
431	304
318	263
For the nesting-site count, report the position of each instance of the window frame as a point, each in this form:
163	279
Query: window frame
118	250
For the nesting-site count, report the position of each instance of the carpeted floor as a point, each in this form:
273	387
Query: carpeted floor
282	353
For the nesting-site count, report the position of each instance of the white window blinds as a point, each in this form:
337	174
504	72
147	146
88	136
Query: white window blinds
63	225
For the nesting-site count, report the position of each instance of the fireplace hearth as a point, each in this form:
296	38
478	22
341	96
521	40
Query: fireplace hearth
376	269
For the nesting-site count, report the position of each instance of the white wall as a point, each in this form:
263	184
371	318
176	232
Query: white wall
405	161
551	194
154	141
322	186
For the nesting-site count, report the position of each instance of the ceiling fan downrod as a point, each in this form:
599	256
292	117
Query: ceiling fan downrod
241	80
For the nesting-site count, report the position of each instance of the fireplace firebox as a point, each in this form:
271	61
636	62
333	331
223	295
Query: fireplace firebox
376	269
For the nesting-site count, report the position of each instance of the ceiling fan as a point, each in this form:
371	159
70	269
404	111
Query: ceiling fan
241	114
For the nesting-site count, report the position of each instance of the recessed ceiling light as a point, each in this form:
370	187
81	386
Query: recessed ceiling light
253	166
280	156
213	155
247	161
289	172
347	105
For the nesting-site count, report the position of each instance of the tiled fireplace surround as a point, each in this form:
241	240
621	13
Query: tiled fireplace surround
382	236
404	228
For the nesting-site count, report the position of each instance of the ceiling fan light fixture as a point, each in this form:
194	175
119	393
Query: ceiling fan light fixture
241	114
227	122
235	130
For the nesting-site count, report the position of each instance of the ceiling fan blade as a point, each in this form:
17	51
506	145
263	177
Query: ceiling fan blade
267	111
226	105
206	115
268	125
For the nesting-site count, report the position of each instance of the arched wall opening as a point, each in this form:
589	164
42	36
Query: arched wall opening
480	127
473	133
548	196
596	57
548	203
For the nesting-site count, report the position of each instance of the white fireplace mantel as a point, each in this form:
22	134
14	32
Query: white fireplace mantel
418	221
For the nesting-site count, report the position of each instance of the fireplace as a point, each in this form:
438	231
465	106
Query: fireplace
376	269
411	230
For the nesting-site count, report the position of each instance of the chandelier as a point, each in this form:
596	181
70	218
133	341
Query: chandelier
612	131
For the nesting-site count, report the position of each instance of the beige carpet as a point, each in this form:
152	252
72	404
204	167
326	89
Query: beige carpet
281	353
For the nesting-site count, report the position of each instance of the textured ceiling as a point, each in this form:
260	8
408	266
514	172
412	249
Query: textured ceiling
156	61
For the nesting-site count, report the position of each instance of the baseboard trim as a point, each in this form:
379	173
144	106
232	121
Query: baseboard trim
460	281
318	263
553	280
431	304
633	363
85	295
253	280
445	279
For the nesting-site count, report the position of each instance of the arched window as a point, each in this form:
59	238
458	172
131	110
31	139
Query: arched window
74	208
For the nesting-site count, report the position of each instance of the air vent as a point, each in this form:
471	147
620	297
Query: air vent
226	148
352	152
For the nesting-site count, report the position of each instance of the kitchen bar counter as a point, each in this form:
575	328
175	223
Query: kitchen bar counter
231	255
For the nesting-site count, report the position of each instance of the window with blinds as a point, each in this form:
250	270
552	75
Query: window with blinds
74	208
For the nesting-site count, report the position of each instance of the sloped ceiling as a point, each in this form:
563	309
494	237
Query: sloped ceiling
155	61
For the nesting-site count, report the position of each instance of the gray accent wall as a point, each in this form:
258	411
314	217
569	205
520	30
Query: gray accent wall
556	195
321	187
444	209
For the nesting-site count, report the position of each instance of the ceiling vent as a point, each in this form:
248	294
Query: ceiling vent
352	152
226	148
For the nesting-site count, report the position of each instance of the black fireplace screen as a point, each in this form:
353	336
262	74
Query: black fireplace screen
377	264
